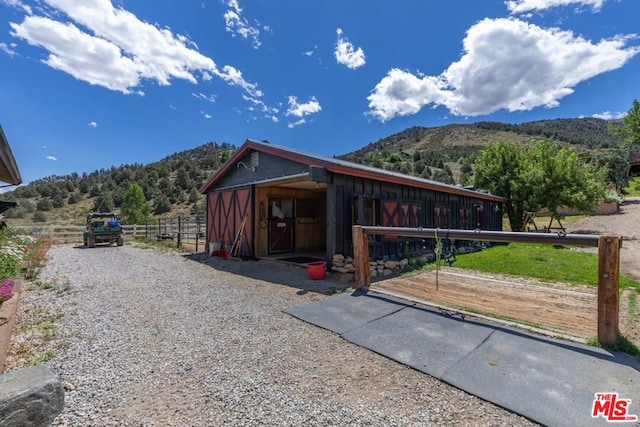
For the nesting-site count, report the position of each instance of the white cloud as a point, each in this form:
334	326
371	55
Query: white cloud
507	64
205	115
119	51
18	5
52	158
236	24
7	49
301	111
347	54
608	115
93	124
200	95
173	107
522	6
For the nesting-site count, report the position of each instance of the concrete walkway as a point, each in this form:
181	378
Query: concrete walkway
549	381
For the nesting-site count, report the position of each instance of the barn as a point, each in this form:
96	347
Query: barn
282	202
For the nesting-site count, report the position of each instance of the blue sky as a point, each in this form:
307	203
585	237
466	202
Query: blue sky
89	84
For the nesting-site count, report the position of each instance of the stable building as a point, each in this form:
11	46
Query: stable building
278	201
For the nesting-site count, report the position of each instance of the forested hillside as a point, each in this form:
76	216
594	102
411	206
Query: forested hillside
443	153
169	185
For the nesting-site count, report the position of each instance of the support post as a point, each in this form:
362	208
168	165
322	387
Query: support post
608	288
179	231
361	257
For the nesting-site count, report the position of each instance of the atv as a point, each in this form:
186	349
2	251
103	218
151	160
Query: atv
103	228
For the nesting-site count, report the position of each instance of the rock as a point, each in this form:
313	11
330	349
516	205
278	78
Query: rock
340	270
338	258
390	265
404	262
374	272
386	272
338	264
349	266
343	278
32	396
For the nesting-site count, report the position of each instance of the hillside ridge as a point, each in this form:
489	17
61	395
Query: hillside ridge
442	153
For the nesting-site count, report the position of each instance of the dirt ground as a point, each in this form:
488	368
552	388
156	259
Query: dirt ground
555	308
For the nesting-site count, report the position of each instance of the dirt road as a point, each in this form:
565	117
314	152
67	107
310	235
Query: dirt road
561	309
625	223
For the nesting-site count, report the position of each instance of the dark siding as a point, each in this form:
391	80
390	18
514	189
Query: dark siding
269	167
348	189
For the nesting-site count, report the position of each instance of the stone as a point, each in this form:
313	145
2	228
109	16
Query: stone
390	265
374	272
404	262
32	396
386	272
349	266
343	278
338	264
338	257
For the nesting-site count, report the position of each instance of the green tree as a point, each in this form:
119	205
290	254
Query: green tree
135	208
44	204
58	201
194	195
161	204
542	175
630	129
104	202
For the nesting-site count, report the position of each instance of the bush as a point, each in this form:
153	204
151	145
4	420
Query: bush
39	217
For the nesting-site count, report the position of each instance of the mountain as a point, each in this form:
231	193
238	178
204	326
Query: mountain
444	153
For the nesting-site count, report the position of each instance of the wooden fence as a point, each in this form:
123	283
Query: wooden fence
608	261
183	230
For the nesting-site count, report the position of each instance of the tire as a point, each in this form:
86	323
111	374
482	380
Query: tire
91	241
120	241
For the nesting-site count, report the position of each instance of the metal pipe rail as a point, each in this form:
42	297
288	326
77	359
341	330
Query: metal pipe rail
608	261
488	236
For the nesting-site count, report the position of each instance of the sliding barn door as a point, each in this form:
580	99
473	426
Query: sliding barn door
226	213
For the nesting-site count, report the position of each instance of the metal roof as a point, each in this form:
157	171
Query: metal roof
343	167
9	172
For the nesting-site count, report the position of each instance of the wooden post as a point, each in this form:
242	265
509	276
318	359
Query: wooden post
608	288
197	232
179	230
361	257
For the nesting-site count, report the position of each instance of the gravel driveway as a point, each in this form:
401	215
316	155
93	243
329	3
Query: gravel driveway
149	338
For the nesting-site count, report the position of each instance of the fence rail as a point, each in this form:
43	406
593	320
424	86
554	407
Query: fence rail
181	230
608	261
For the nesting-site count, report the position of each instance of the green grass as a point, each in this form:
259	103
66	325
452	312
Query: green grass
545	262
633	189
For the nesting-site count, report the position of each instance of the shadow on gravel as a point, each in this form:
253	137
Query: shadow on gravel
274	272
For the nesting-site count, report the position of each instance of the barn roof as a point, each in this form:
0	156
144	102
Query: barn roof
341	167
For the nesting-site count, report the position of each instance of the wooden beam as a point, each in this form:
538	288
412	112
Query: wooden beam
361	257
608	288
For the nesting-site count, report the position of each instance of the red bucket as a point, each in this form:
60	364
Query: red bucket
317	270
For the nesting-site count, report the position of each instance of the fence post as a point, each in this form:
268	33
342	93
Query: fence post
361	257
197	232
608	288
179	230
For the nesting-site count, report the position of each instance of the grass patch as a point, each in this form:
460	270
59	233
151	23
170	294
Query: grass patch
545	262
622	344
633	189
